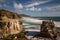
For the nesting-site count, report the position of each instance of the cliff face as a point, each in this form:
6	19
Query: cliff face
12	26
9	23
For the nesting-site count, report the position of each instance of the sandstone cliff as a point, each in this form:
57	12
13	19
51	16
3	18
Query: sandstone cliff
10	23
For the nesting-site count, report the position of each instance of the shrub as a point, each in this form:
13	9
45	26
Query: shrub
9	37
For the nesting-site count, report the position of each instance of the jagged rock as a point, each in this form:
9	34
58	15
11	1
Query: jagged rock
48	28
48	32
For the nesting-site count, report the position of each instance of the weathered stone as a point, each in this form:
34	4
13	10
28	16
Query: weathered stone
48	28
48	32
12	26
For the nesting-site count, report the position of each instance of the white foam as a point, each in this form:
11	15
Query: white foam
31	20
57	24
26	24
36	21
36	30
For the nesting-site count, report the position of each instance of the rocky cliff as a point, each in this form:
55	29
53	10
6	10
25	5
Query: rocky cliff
10	23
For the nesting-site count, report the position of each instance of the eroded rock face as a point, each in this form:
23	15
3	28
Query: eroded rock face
48	29
48	32
11	26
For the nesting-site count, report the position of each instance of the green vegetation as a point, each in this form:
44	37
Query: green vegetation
9	37
12	37
20	35
2	24
11	15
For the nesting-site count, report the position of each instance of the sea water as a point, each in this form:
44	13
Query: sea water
55	19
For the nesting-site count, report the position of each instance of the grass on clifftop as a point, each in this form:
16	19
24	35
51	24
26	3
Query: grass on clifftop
13	37
11	15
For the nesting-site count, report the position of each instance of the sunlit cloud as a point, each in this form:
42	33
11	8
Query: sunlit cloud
31	9
54	8
40	7
34	9
18	6
36	3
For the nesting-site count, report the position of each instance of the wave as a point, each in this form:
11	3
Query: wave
31	20
57	24
34	21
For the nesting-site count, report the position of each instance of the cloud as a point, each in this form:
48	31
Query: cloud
56	14
54	8
53	14
3	5
0	5
1	0
39	9
34	9
18	6
36	3
18	10
31	9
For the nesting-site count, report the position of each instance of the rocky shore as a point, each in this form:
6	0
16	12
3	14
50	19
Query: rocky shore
48	32
11	28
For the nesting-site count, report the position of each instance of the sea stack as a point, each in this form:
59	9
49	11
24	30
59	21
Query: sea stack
49	30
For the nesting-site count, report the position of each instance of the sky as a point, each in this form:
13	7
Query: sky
32	7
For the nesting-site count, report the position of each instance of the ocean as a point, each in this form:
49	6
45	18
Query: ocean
32	26
48	18
56	19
